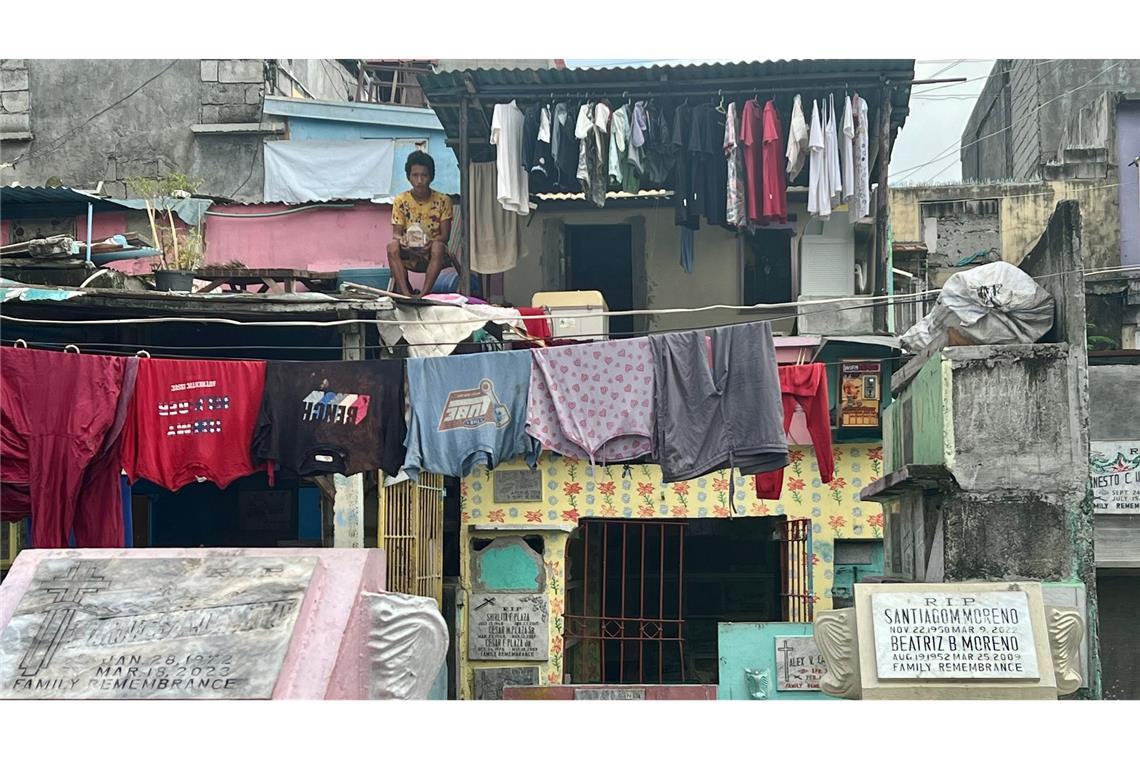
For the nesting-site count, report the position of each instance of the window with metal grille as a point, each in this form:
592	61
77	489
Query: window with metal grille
797	600
624	602
410	531
644	598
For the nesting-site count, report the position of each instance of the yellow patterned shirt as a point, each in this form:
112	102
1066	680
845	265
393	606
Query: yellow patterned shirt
429	214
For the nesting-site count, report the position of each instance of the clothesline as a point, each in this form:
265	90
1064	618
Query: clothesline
135	350
889	299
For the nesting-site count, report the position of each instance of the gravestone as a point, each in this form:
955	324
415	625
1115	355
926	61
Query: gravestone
799	664
152	628
489	682
595	694
213	624
508	627
950	641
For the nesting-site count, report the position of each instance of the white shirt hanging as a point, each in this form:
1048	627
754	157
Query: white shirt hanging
619	135
831	151
847	154
513	185
819	193
797	151
862	200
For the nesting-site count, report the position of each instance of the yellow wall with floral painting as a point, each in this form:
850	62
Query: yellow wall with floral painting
573	490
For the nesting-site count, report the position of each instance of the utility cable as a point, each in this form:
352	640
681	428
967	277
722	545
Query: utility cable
59	142
948	151
482	319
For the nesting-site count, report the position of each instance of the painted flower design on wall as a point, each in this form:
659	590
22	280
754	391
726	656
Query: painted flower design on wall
572	490
795	485
497	515
534	516
875	522
571	515
837	522
837	485
876	456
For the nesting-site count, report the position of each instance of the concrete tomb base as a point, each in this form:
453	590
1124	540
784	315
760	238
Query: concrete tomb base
213	624
950	641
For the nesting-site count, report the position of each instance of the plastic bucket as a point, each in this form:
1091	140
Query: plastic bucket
372	277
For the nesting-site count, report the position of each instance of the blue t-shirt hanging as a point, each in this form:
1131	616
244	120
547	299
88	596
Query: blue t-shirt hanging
468	409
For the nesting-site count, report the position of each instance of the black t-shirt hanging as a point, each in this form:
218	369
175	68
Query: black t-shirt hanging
685	210
660	152
332	417
709	168
567	146
531	119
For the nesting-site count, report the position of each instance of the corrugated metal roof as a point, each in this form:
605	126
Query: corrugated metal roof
811	78
23	201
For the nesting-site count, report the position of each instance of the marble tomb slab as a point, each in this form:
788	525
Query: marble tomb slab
297	623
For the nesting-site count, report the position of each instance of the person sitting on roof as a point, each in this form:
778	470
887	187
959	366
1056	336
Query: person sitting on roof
421	225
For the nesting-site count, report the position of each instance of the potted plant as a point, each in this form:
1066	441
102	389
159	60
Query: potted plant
182	251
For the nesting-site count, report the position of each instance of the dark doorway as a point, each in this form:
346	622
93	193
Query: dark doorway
1118	596
644	597
768	267
600	257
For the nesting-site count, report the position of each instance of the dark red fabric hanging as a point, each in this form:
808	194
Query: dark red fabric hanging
61	419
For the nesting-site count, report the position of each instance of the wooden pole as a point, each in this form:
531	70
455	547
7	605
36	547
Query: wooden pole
464	203
882	211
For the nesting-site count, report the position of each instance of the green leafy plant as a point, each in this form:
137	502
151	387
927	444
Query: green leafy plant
181	250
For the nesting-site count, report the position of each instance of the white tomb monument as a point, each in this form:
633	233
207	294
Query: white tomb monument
950	641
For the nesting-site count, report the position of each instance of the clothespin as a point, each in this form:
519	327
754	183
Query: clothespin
142	354
21	343
69	346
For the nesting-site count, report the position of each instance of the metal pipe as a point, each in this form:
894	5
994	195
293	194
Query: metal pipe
465	203
624	551
90	220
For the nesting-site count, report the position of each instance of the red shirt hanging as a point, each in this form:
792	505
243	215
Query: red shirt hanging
751	140
774	207
193	419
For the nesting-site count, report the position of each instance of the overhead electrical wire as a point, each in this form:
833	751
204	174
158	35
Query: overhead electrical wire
921	296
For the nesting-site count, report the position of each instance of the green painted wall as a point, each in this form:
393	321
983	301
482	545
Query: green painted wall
929	410
752	646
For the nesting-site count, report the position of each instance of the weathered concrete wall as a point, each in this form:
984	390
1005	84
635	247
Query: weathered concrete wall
1024	212
715	278
15	101
1007	535
1042	96
324	78
104	121
990	120
826	319
1013	420
1127	149
1114	402
146	134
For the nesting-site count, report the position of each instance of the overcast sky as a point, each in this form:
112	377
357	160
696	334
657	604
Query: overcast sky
934	128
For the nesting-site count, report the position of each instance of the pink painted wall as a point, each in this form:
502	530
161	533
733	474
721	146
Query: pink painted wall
325	239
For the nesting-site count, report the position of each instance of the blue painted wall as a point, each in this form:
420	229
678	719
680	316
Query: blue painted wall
753	646
446	164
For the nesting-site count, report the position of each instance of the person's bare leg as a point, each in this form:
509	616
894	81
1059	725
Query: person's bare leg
435	265
399	271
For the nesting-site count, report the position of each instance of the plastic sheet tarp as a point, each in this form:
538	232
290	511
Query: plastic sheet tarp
993	304
304	171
